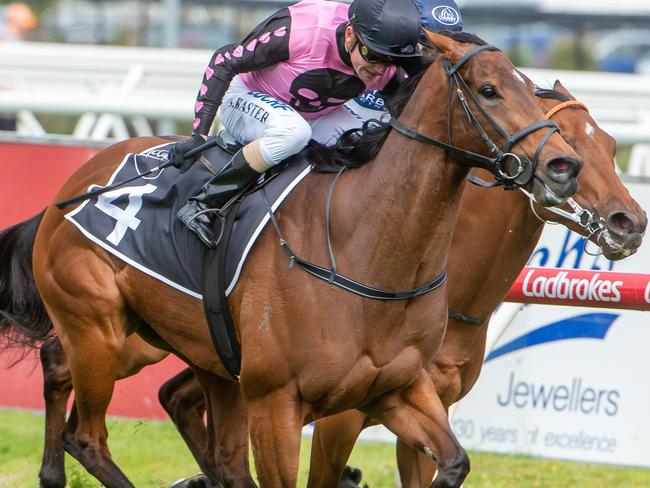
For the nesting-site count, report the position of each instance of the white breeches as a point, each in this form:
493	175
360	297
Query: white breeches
282	132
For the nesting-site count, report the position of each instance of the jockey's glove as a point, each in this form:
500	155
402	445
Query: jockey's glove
180	148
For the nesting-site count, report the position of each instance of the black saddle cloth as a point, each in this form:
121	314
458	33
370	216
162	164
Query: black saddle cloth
138	223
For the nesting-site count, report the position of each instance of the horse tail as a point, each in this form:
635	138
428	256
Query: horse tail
23	319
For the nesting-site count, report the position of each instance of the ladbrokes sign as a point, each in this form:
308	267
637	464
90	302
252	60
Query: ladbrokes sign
582	287
562	287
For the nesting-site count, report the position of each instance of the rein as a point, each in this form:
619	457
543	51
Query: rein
524	171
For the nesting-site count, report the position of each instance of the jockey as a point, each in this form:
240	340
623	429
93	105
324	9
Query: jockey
298	65
435	15
440	15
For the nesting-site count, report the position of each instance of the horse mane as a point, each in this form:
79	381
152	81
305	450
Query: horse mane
549	94
463	37
356	147
23	319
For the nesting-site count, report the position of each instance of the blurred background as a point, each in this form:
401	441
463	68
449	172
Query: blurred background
77	75
581	34
51	50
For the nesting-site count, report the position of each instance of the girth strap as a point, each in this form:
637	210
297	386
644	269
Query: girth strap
215	302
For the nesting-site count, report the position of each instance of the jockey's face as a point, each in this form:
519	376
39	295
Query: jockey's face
365	63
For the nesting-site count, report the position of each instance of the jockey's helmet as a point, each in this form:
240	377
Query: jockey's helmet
387	27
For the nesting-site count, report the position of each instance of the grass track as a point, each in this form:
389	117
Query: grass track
153	455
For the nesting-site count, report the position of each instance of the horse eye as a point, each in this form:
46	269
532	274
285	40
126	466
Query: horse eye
488	91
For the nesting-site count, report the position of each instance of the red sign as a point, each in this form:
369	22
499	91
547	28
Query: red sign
31	174
585	288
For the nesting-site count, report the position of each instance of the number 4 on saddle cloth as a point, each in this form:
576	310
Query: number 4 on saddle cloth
138	223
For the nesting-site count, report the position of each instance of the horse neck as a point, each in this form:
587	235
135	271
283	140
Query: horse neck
494	238
404	202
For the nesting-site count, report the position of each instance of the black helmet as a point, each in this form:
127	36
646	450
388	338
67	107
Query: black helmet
388	27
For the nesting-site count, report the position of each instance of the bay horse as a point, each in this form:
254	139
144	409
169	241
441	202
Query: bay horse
457	364
291	327
489	249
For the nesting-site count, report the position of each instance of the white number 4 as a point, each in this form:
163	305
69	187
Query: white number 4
126	218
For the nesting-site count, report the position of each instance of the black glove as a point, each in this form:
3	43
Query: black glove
177	153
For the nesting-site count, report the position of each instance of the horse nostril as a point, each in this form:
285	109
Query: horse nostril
560	165
621	222
565	166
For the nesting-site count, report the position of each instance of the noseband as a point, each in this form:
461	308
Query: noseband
593	224
525	168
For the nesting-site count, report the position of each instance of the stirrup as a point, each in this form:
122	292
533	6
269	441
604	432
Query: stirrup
219	217
199	223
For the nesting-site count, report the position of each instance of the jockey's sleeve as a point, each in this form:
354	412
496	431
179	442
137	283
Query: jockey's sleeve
260	49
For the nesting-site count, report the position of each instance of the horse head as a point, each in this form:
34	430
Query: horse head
603	209
505	119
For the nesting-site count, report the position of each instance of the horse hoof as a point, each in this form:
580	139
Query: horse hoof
198	481
351	478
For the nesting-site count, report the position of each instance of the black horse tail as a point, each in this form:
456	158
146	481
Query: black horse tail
23	319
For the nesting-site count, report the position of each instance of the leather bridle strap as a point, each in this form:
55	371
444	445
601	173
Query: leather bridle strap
525	170
485	162
454	68
563	105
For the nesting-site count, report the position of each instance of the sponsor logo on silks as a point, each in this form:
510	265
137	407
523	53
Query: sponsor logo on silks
559	286
446	15
269	100
586	326
371	99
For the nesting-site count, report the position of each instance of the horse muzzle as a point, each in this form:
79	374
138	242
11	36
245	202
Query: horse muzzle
623	234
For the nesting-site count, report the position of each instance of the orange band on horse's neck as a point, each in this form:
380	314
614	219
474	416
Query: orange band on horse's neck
569	103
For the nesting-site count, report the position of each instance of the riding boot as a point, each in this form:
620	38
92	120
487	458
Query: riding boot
197	213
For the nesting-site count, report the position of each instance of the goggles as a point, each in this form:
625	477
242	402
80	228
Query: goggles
372	57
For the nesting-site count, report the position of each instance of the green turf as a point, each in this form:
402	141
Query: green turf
152	455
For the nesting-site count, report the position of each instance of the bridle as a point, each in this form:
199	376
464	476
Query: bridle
594	225
524	167
582	217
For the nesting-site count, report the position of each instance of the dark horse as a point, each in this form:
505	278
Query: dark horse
308	349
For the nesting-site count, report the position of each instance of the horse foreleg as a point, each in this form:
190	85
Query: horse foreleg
182	398
415	468
417	417
332	444
57	385
226	448
275	421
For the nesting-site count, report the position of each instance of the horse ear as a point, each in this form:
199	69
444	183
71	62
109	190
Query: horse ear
559	87
445	45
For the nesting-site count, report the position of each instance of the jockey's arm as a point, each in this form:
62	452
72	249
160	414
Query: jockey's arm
260	49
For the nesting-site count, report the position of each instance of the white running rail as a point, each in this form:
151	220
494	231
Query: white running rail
117	91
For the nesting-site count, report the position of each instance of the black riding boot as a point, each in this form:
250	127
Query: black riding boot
214	195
